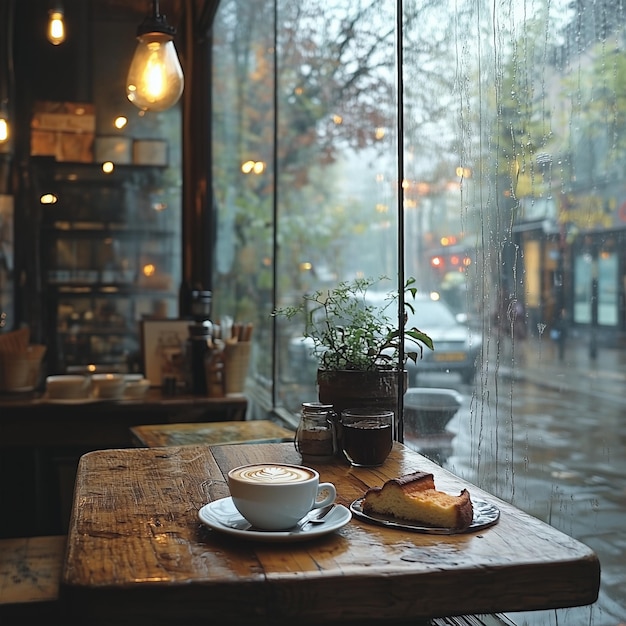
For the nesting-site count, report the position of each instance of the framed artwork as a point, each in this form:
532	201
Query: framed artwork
163	348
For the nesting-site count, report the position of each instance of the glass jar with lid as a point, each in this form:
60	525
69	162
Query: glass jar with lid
315	437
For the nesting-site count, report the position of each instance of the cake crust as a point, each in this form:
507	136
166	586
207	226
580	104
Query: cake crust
413	497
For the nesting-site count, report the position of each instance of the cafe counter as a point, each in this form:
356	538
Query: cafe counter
34	420
41	441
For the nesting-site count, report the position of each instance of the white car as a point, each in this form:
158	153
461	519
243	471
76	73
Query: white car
456	346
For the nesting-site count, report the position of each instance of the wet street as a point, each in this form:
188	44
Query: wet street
559	455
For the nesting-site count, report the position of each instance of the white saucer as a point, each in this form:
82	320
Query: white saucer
85	400
222	515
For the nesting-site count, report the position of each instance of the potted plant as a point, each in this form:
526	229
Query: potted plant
354	333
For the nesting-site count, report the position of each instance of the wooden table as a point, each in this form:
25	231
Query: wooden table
137	553
211	433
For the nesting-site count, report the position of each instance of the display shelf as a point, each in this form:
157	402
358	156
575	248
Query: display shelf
103	290
109	256
81	229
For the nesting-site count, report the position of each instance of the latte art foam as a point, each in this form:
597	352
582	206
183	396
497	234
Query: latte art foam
272	474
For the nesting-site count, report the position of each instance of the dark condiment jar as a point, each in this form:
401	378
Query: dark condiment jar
199	350
315	437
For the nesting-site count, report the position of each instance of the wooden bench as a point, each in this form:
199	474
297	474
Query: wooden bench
30	573
210	433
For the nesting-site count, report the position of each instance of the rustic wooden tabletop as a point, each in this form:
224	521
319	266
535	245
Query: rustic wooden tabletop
137	552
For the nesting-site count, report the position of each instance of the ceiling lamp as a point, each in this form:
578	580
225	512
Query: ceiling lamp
56	26
4	127
155	79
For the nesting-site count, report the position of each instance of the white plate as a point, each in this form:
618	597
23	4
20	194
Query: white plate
222	515
485	514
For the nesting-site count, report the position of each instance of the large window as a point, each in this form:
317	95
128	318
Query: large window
505	130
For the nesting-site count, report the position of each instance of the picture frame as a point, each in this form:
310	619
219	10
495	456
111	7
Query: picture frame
163	348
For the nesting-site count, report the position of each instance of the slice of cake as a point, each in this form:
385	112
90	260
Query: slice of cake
414	498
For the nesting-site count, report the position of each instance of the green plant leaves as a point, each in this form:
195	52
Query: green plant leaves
351	331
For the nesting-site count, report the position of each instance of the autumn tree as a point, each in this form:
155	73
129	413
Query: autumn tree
333	92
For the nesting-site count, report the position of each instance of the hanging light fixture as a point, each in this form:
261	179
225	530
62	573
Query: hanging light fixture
155	79
56	25
4	126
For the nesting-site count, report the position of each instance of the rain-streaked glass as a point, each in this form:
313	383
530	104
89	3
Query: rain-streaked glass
513	153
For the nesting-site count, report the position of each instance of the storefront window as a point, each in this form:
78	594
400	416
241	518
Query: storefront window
513	143
607	288
583	272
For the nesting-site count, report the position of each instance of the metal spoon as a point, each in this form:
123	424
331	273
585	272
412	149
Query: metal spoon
318	516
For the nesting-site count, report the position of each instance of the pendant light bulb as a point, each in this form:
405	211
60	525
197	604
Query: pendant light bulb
155	79
56	27
4	129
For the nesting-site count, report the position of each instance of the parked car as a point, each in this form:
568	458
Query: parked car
456	345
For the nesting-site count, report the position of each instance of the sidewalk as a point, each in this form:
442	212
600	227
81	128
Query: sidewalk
537	360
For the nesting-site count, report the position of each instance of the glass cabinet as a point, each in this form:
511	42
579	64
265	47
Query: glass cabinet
110	257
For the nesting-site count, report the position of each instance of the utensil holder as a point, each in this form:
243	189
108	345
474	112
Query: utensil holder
20	370
236	362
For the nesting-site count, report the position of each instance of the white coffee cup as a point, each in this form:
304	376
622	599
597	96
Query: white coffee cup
275	496
67	386
109	386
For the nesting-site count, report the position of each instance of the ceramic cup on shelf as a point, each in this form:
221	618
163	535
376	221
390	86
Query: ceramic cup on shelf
366	435
274	496
67	387
136	386
108	386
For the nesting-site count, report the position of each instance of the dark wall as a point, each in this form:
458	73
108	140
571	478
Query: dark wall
53	72
41	72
